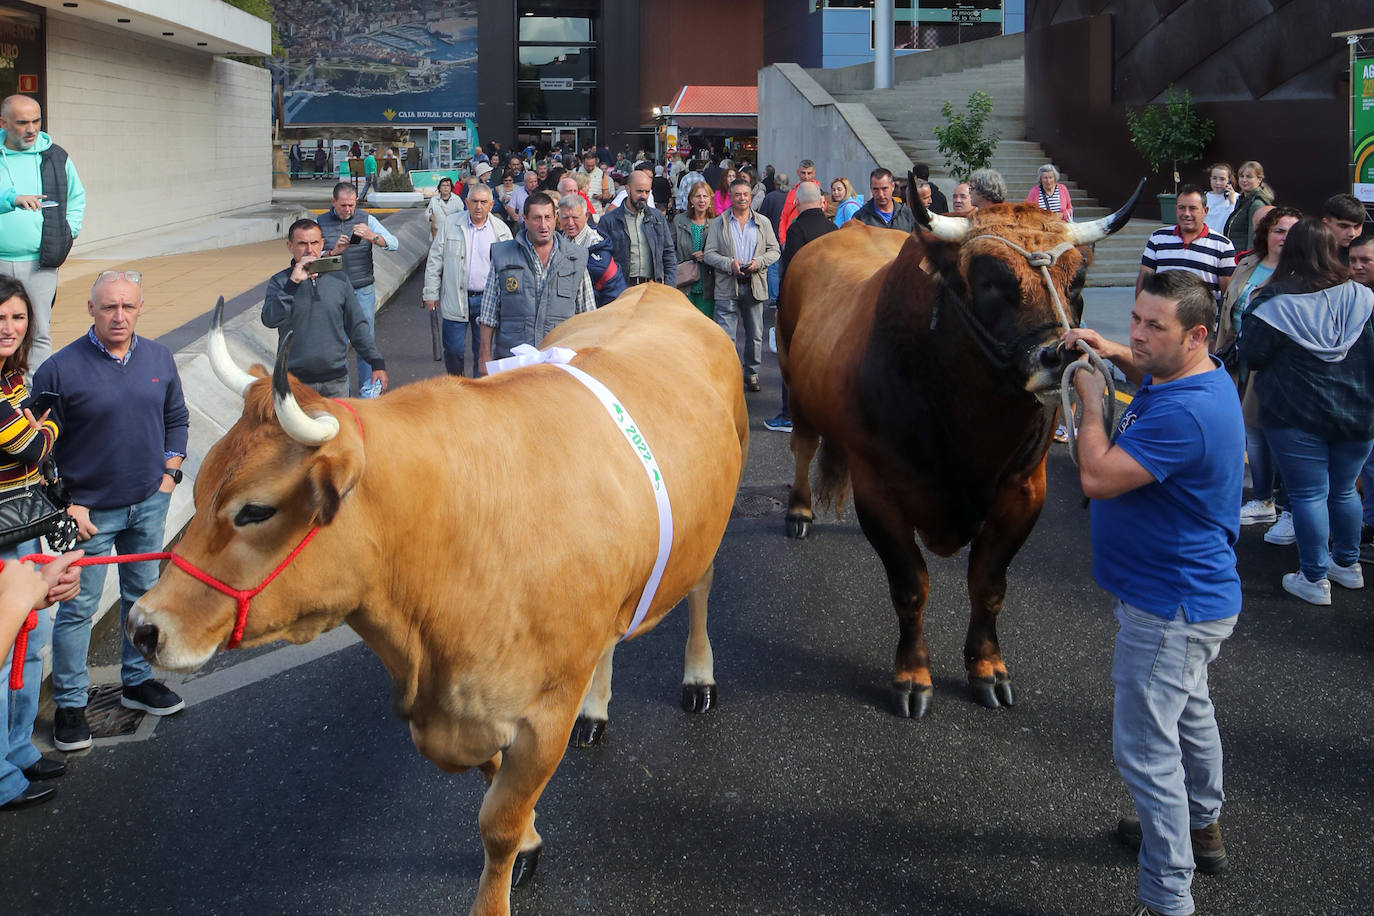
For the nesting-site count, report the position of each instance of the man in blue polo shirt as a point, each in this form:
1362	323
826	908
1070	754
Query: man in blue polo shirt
1165	519
124	427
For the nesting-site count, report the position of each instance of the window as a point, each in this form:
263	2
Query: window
22	46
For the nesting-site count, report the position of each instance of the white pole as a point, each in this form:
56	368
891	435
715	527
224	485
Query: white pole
882	44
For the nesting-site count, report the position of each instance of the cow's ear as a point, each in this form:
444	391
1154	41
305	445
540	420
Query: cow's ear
332	476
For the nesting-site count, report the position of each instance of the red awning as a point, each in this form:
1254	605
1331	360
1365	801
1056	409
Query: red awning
717	107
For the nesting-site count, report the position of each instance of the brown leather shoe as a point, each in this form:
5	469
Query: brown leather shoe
1209	853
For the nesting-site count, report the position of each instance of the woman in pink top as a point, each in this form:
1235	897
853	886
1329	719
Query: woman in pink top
722	196
1050	195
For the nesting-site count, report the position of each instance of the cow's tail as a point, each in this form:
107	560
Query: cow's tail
832	484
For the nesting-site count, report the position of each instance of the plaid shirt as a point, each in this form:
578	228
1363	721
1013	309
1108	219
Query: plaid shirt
491	296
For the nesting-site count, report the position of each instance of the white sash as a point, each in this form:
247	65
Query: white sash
526	355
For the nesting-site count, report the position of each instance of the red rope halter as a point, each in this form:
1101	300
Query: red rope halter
241	596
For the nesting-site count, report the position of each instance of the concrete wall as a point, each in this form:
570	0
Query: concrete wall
800	120
159	134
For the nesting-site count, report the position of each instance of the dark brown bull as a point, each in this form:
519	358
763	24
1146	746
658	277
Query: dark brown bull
925	366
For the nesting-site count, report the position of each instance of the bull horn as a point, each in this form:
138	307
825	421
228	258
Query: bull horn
295	422
1098	229
225	369
946	228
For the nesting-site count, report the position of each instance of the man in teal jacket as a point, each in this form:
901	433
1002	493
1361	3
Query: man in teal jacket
41	205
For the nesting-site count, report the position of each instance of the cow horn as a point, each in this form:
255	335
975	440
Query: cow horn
946	228
295	422
226	370
1098	229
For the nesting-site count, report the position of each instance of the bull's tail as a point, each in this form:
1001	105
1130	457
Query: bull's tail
832	477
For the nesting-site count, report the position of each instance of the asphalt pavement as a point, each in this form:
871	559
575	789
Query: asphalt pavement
288	786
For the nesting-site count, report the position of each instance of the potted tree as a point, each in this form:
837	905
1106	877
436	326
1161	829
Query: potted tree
1170	134
965	140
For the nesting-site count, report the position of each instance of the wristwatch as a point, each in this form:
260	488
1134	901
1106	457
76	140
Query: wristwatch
174	473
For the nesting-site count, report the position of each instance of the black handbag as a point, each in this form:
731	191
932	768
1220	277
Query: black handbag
38	510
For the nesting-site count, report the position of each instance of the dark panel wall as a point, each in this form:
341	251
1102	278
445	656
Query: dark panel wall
496	70
701	42
1268	73
791	35
618	83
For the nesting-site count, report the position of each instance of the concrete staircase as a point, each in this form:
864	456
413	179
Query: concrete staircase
910	110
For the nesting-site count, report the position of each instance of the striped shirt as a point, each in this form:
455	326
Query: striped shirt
24	445
1210	255
1050	202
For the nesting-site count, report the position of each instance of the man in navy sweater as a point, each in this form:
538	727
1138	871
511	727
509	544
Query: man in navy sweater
124	428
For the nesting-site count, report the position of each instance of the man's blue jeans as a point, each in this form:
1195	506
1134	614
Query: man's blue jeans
367	299
1320	478
132	529
455	336
728	313
774	281
19	708
1166	744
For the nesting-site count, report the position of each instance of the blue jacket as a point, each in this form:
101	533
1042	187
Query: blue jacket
608	279
658	236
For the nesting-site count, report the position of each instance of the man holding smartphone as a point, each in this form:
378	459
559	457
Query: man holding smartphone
42	202
739	247
323	310
354	234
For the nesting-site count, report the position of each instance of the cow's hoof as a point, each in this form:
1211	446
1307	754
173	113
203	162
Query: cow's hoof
798	526
526	861
987	692
698	698
1004	691
586	733
911	702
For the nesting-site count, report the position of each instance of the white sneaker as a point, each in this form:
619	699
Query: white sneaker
1257	511
1282	530
1318	592
1351	576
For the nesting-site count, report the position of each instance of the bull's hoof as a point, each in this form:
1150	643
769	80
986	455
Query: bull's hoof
910	702
798	526
586	733
1004	691
698	698
526	861
994	693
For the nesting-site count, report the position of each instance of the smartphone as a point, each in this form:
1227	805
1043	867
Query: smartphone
49	203
326	265
43	400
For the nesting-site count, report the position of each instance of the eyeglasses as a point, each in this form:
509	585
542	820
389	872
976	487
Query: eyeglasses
132	276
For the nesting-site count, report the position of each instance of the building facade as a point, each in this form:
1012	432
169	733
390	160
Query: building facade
151	112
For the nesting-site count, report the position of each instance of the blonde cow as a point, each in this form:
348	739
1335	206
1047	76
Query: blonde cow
489	540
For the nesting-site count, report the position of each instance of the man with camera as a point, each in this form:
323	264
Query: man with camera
739	247
312	298
353	235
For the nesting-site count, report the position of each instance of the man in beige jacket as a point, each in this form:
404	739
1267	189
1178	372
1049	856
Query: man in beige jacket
739	247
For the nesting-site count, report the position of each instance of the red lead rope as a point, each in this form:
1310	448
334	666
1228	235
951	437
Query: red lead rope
241	596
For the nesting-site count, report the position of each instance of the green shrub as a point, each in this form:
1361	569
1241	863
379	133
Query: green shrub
395	181
964	140
1171	133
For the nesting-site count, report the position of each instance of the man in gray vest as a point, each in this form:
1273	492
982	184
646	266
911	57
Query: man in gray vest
41	205
354	234
537	281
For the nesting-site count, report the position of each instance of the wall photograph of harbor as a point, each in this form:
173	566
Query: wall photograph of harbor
381	62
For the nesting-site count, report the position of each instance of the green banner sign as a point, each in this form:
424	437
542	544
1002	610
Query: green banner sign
1362	124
